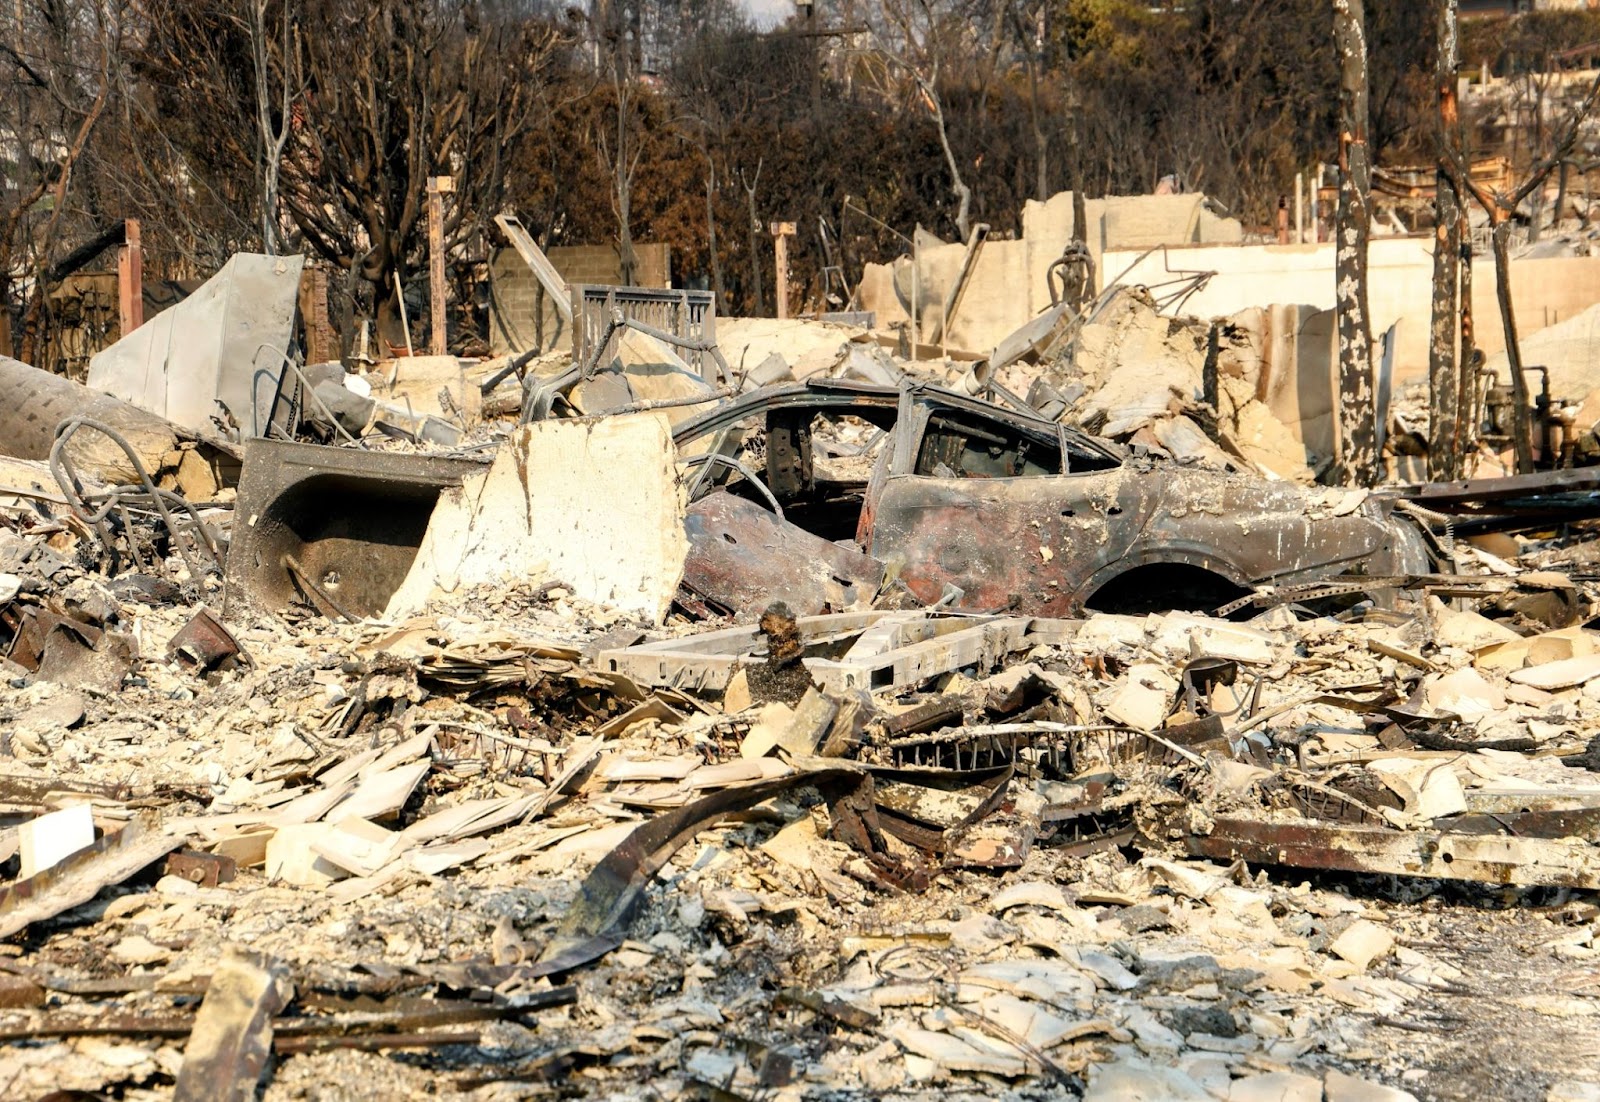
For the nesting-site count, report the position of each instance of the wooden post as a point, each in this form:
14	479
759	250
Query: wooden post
781	232
438	188
130	279
321	344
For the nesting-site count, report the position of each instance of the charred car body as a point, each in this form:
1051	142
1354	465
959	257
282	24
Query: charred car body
983	508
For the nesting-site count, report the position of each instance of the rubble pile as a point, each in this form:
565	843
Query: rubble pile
522	841
1236	405
648	722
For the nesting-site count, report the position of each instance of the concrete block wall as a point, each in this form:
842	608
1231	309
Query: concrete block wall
515	304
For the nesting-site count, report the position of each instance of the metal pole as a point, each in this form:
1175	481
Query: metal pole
916	290
1299	208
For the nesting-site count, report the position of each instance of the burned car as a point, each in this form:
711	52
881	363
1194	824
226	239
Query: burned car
965	503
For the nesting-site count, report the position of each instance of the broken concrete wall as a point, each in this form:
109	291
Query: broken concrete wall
1136	374
207	351
1136	365
1544	290
422	386
1129	222
1009	285
1282	357
808	347
519	314
1570	349
596	505
642	369
991	293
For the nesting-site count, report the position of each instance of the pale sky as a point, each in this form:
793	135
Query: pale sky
768	13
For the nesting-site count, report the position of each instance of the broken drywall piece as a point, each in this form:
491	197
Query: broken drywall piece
1464	693
1339	1087
1361	943
812	718
384	793
358	846
1468	630
208	349
1538	650
293	859
1429	789
596	505
1179	635
1143	697
1132	1079
50	839
232	1036
1276	1086
1564	674
770	725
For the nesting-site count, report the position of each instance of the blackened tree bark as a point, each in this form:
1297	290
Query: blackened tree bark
397	91
755	238
1444	439
1358	452
1467	388
273	112
1500	242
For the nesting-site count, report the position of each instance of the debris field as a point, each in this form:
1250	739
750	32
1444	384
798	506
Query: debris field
642	726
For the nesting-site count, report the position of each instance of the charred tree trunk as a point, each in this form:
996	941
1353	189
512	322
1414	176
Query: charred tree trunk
711	233
1358	453
274	138
1521	438
1561	197
1444	454
1444	443
957	184
758	299
1467	390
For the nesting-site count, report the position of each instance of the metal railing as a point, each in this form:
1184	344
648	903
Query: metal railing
689	315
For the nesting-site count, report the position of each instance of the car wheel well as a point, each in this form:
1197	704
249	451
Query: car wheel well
1164	587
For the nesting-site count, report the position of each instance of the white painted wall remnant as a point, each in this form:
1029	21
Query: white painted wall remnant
596	505
204	358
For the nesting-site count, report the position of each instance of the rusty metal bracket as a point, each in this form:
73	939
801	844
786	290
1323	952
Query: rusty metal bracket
205	869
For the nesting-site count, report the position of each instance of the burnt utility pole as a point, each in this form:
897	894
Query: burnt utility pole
130	280
781	232
438	188
1445	443
1358	450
